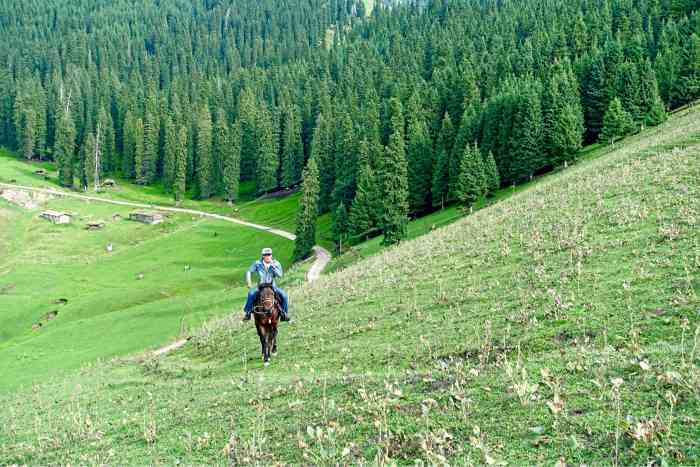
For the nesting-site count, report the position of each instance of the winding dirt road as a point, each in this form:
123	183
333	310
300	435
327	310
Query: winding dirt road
323	256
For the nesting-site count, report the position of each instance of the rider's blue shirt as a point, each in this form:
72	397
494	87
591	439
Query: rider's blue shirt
266	275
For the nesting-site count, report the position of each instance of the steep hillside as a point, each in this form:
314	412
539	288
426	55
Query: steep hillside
561	325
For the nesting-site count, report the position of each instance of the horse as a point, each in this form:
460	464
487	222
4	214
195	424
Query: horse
267	312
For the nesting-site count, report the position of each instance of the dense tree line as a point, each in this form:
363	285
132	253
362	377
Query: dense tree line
403	110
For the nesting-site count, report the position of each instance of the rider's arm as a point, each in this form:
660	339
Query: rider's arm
248	274
277	268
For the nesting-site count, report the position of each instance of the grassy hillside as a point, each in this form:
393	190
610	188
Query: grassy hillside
158	282
560	325
276	212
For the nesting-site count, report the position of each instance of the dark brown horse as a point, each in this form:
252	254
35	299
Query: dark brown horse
267	312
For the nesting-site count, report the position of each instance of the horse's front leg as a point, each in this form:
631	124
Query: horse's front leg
263	345
274	341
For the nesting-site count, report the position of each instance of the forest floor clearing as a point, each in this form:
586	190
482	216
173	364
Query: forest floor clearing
561	325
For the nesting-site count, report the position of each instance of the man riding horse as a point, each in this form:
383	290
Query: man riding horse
268	269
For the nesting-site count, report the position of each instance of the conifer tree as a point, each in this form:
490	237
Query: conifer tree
652	107
617	122
204	164
169	152
472	179
87	165
395	180
180	180
292	150
250	119
308	212
150	150
345	150
232	163
64	148
322	152
128	145
441	176
267	162
219	149
107	146
419	156
563	117
594	99
26	122
139	148
493	180
690	84
339	227
364	210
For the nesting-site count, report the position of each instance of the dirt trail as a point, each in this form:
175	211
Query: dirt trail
49	191
322	259
322	255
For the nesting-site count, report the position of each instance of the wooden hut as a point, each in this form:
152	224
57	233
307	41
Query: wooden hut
146	217
56	217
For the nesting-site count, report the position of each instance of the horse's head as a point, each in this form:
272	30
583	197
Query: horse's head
267	297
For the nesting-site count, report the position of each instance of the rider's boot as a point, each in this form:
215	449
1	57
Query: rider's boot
246	316
284	316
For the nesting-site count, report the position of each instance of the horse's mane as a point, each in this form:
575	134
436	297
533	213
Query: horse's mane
263	286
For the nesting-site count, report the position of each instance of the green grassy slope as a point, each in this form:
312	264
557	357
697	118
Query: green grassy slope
192	271
275	212
560	324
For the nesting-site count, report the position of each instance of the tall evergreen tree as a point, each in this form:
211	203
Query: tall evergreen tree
292	150
594	99
471	182
345	153
364	212
64	148
419	155
108	145
493	179
308	212
220	148
339	228
150	149
204	164
139	148
248	110
563	117
441	175
617	122
395	180
180	180
267	162
232	163
88	162
322	152
169	152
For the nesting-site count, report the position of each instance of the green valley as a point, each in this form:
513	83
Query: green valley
559	325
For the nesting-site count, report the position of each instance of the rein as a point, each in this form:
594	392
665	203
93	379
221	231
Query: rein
267	306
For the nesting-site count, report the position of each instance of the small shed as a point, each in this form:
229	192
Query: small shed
41	172
146	217
109	183
56	217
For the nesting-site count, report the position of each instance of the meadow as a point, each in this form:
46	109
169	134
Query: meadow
559	326
159	282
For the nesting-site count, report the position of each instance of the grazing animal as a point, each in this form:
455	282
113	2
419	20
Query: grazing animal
267	313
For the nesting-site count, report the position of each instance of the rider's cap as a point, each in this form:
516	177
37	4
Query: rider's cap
266	251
